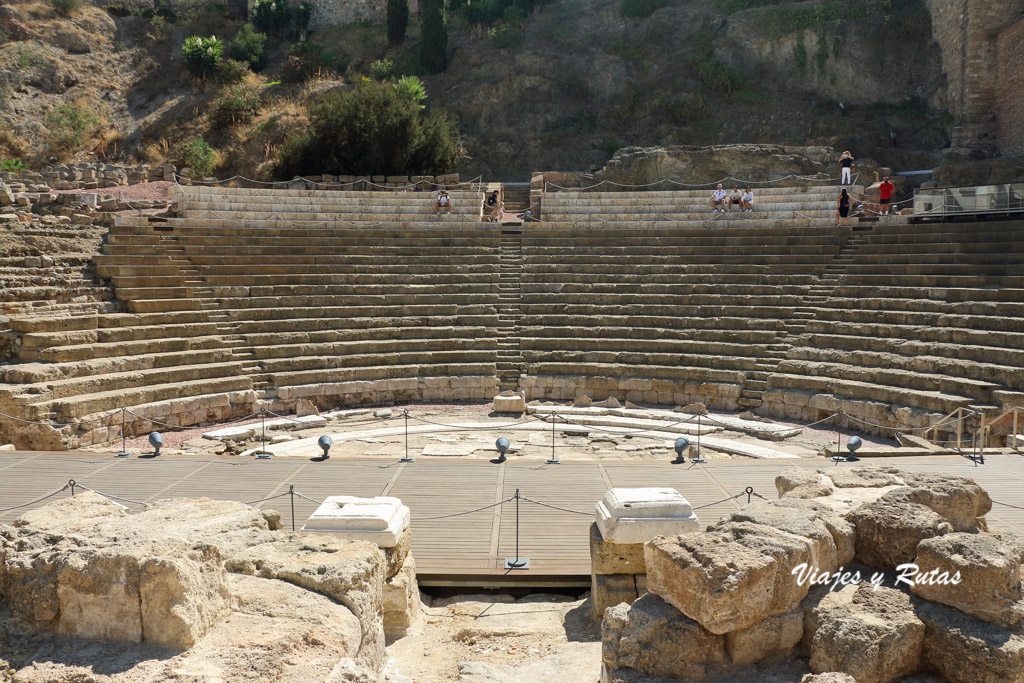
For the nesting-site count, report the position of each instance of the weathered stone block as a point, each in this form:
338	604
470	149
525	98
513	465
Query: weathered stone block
614	558
888	533
607	590
774	636
401	600
989	585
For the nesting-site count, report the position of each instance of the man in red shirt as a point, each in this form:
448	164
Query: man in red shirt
885	195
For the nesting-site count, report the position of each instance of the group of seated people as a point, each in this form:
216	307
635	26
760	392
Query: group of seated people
723	201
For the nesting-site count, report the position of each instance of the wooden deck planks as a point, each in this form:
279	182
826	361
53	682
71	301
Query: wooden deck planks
473	544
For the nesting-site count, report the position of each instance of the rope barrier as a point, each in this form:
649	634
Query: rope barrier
37	500
467	512
478	182
812	178
554	507
260	500
1015	507
111	495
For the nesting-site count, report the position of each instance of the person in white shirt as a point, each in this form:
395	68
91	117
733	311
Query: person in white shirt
444	202
748	200
718	199
736	197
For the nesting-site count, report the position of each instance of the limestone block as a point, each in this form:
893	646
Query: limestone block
351	572
401	600
652	638
830	677
798	482
636	515
380	520
396	556
871	634
614	558
509	404
607	590
958	500
832	536
962	649
304	407
712	579
888	533
775	635
989	585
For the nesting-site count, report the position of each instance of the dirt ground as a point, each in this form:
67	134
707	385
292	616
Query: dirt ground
584	444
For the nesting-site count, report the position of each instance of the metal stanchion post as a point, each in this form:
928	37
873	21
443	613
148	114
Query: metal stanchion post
518	562
291	494
406	458
263	454
552	460
124	439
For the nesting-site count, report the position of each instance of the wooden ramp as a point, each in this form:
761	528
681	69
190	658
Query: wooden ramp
461	534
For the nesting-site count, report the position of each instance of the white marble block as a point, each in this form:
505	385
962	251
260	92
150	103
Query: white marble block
638	515
379	520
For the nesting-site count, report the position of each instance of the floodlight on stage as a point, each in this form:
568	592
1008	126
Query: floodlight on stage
682	443
156	441
325	443
502	445
853	443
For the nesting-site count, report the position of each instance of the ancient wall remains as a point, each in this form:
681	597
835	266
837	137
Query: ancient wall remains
968	33
1010	106
333	12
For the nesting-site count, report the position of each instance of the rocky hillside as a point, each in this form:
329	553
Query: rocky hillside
566	89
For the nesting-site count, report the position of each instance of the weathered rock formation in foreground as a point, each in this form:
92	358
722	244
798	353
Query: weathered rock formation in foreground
189	589
722	601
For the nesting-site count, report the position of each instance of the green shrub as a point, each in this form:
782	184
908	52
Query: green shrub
720	78
158	27
434	36
68	126
202	55
411	88
640	9
12	165
505	36
375	129
382	69
66	7
232	71
484	12
303	63
235	104
800	55
249	46
198	156
398	20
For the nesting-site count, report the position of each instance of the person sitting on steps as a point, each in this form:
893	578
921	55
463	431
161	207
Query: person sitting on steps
748	200
718	199
443	202
736	198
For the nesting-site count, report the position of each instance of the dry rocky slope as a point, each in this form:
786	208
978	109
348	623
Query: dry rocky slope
582	82
724	601
187	590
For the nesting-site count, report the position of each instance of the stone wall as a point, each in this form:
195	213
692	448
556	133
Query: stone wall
1010	95
333	12
968	35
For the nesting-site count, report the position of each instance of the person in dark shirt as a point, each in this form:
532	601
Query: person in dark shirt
846	164
843	208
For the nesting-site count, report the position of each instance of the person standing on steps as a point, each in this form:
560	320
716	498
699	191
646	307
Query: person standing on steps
885	195
843	208
845	164
718	199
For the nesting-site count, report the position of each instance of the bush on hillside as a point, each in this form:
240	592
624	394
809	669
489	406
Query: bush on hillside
382	69
66	7
249	46
198	156
236	104
232	71
68	126
375	129
202	55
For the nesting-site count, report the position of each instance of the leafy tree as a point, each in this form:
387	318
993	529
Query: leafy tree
434	39
378	128
398	20
202	55
249	46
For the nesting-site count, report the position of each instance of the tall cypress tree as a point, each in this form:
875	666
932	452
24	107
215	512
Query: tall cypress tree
398	19
434	41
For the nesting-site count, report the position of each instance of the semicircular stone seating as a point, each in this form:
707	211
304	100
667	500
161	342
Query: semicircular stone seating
267	297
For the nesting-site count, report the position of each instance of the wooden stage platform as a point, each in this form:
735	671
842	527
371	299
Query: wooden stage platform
467	549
